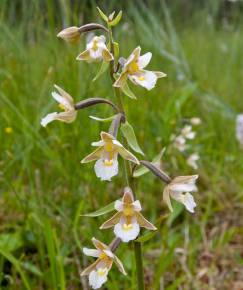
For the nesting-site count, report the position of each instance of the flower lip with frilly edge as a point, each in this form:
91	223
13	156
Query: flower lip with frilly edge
176	188
96	50
128	220
133	69
106	155
99	270
66	103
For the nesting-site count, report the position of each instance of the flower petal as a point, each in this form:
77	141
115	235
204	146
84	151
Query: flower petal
112	221
64	94
93	156
128	196
67	117
106	172
127	155
166	198
85	55
90	268
144	223
106	137
119	265
159	74
137	205
144	60
96	280
189	202
99	245
118	205
107	56
120	82
91	252
48	118
127	234
146	79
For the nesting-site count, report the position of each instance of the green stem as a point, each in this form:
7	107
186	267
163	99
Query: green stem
128	173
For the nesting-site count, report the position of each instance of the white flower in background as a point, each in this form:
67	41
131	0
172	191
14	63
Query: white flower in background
106	155
96	50
66	103
192	160
70	34
179	143
195	121
187	132
176	188
239	128
133	69
128	220
99	270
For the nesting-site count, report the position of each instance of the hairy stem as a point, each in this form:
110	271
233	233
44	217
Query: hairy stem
128	171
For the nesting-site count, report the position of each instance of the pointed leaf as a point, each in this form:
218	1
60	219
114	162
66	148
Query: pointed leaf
103	69
106	209
103	119
102	14
143	170
129	134
127	91
116	20
146	237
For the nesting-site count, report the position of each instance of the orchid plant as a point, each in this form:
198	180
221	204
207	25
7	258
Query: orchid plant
128	219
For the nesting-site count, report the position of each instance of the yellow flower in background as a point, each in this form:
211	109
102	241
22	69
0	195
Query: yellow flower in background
128	220
176	188
106	155
8	130
96	50
133	69
98	271
66	103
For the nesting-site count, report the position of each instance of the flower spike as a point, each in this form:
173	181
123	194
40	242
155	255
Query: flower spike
96	50
133	69
128	219
106	155
65	102
176	188
98	271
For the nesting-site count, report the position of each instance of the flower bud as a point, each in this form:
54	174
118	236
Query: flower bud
70	34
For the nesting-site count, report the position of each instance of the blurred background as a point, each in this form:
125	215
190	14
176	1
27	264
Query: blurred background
44	188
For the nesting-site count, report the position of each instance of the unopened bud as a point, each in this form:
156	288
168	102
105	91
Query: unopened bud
70	34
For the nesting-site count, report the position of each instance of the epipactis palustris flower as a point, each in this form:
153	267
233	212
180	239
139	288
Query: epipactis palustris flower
98	271
96	50
176	188
66	103
106	155
133	69
128	220
192	160
187	132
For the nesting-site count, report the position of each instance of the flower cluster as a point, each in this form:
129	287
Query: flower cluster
128	219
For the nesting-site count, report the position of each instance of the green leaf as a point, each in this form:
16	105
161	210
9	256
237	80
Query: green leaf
116	20
106	209
103	119
177	209
102	14
146	237
103	69
129	134
116	49
143	170
127	91
32	268
11	241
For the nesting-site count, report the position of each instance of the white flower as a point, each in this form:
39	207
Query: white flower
98	271
192	160
180	143
239	128
128	219
106	155
177	187
96	50
195	121
133	69
66	103
70	34
187	132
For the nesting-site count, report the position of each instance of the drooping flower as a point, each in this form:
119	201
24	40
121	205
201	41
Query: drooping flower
187	132
106	155
192	160
133	69
96	50
128	219
239	129
176	188
66	103
98	271
70	34
179	142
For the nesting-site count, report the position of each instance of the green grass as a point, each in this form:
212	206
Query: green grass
45	189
